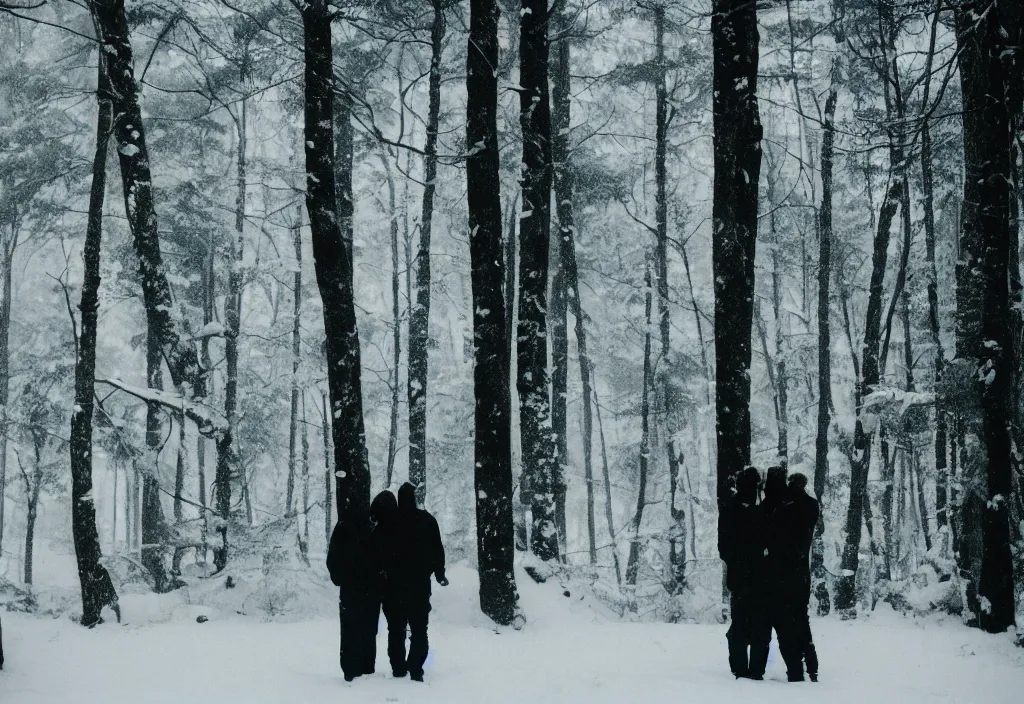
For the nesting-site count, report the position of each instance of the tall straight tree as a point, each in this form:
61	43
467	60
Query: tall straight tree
493	437
539	452
985	247
177	351
97	587
419	320
737	158
824	341
333	265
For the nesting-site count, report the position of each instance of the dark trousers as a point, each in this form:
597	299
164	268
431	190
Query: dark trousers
358	637
407	613
749	629
785	613
805	640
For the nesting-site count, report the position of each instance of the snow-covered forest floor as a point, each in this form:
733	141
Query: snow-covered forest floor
571	650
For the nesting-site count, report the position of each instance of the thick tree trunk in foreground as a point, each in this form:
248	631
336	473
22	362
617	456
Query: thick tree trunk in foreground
419	320
824	346
493	442
333	264
737	159
986	238
325	436
154	528
97	588
539	453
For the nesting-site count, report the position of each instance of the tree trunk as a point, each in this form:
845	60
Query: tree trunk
333	264
493	442
821	468
661	183
154	528
606	477
539	453
633	562
5	373
396	323
97	587
325	430
846	593
32	489
565	189
419	320
985	250
293	417
737	166
304	533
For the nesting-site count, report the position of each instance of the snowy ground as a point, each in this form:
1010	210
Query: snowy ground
570	651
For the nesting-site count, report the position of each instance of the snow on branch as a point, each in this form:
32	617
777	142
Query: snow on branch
890	397
209	421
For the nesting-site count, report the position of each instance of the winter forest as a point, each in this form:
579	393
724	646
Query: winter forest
565	266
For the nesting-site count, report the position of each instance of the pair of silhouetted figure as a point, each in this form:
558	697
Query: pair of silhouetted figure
386	559
766	548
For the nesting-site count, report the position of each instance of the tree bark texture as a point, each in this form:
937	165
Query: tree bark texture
492	350
333	264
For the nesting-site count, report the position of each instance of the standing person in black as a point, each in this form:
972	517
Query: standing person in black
355	567
783	567
741	545
417	555
1	646
805	510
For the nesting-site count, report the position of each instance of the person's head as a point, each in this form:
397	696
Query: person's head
384	507
407	497
798	483
775	484
748	483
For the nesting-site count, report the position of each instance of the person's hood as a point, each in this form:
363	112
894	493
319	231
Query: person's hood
383	506
406	497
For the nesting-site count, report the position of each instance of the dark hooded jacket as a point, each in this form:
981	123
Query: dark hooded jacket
417	551
354	559
742	542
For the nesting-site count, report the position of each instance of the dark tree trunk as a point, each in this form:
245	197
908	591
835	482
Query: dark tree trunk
824	343
985	250
606	477
97	587
154	529
344	162
846	593
304	521
293	418
325	430
737	162
419	320
633	562
333	264
661	119
565	187
5	373
32	488
136	178
396	325
539	453
492	439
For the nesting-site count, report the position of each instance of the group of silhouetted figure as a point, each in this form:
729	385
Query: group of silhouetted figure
384	559
766	544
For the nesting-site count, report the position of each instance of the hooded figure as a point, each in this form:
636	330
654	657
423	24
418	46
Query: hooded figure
785	574
413	553
355	567
742	545
805	515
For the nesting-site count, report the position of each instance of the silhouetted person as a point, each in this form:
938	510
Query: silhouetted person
785	582
1	645
355	568
417	555
741	545
805	510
